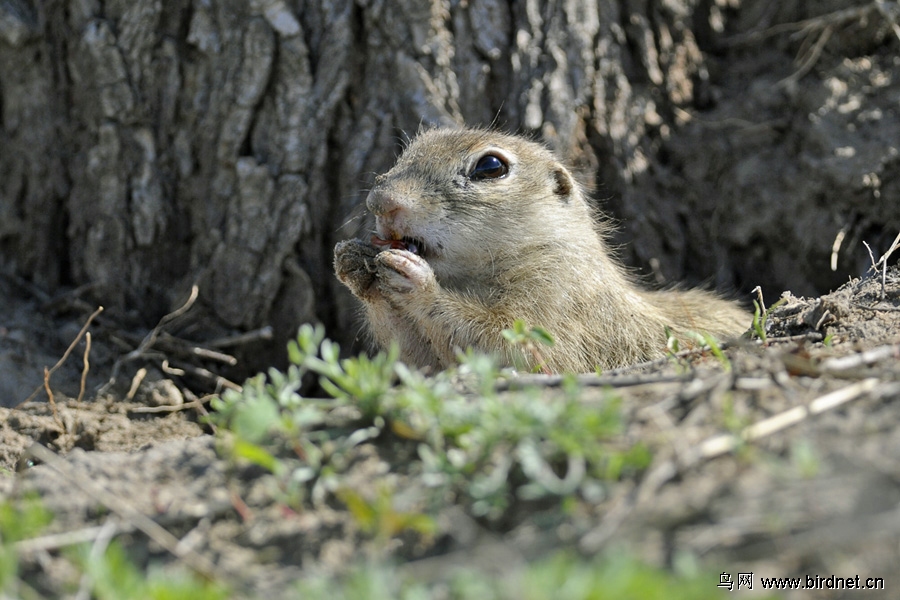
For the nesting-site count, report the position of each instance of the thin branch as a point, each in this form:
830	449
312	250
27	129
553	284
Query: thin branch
265	333
836	247
166	408
219	381
762	304
812	336
716	446
877	308
871	256
56	541
861	359
587	380
150	338
722	444
87	364
883	261
65	355
658	362
890	16
50	399
836	18
811	59
894	246
169	343
135	384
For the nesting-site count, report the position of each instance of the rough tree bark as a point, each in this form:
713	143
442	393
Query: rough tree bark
149	145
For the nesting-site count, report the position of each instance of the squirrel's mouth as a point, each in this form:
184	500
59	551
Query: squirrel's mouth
409	244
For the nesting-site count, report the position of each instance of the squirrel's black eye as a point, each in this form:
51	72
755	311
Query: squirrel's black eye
489	166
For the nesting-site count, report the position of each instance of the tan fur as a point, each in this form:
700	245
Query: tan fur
524	246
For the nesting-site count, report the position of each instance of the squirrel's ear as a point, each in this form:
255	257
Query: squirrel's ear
564	183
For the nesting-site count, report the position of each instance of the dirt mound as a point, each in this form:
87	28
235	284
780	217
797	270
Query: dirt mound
777	458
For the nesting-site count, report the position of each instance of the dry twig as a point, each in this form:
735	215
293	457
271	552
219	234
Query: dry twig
48	373
823	26
719	445
836	247
55	541
265	333
852	361
812	336
834	19
150	338
810	60
722	444
135	384
658	362
890	14
87	364
200	405
877	308
168	408
170	343
217	380
883	261
587	380
50	399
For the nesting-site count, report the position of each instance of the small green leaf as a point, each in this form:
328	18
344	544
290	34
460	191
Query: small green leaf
541	335
362	511
520	327
295	355
672	344
256	455
759	321
254	420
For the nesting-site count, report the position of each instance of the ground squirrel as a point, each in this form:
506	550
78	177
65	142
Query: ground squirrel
475	229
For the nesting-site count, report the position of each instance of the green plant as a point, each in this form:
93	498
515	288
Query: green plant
110	573
113	576
486	448
618	577
673	348
704	340
707	340
379	518
761	316
561	575
804	459
759	321
361	379
18	521
529	340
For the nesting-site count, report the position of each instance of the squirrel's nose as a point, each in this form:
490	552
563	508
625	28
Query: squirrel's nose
381	202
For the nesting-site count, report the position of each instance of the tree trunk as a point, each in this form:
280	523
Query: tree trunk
147	145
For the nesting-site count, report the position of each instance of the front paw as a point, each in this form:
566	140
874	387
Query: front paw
403	272
354	265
